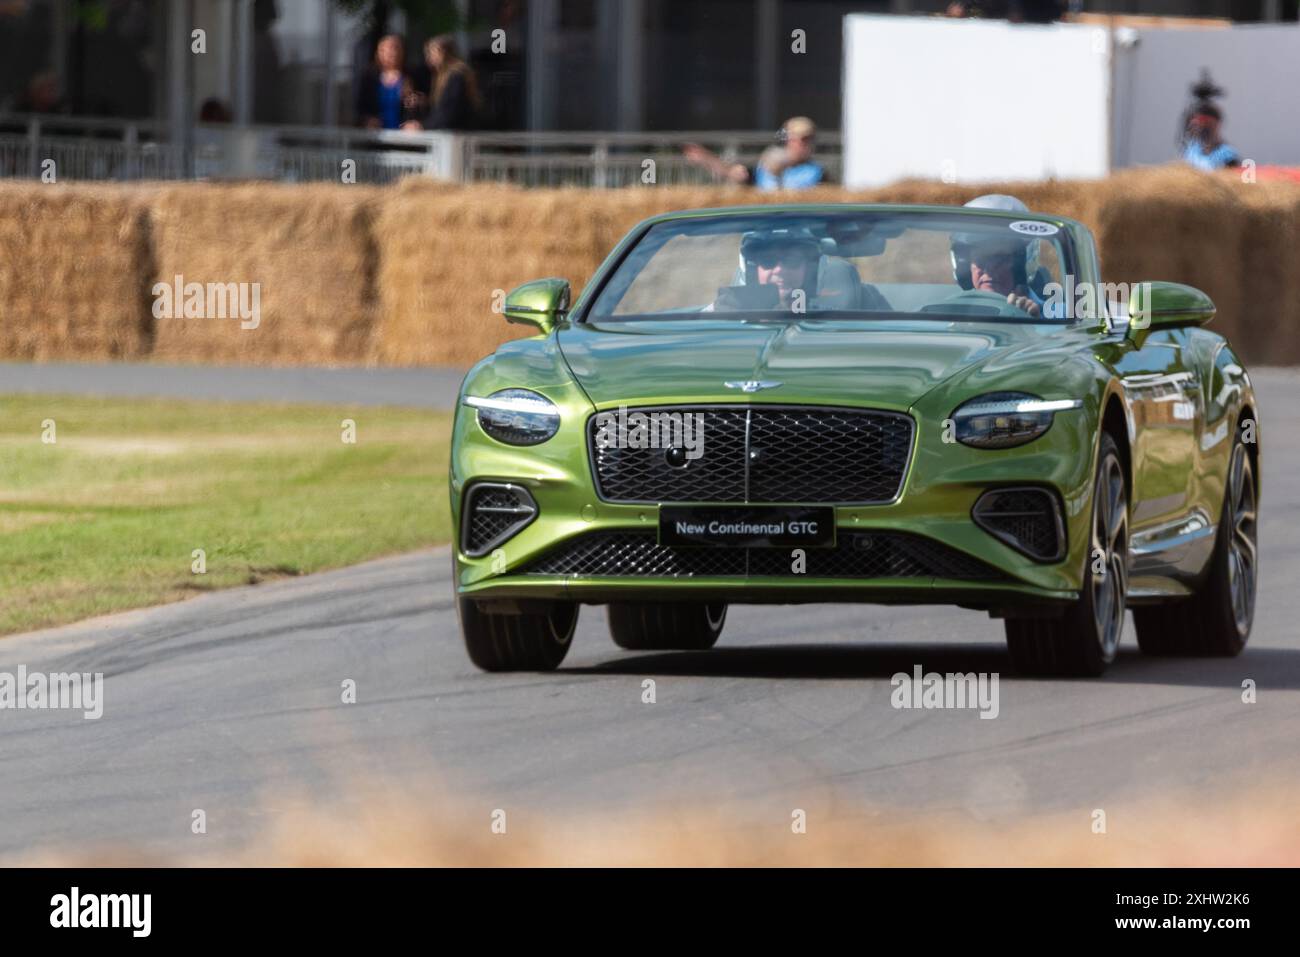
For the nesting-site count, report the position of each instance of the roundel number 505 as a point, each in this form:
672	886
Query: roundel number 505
1030	227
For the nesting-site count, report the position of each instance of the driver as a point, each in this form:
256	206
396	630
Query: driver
997	263
777	264
785	258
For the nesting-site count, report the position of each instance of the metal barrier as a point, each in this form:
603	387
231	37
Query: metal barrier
616	159
93	149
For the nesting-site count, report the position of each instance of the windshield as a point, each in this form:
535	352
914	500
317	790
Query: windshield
842	265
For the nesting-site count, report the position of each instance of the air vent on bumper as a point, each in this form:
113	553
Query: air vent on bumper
493	513
1027	519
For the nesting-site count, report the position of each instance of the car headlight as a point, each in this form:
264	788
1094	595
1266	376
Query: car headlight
1002	420
516	416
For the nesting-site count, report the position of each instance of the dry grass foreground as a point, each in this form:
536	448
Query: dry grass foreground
355	275
392	827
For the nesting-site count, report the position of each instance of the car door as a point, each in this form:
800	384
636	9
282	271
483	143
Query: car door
1167	407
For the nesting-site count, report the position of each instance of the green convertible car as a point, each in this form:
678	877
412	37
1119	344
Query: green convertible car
889	404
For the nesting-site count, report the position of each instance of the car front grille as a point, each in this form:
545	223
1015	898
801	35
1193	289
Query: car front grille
1027	519
855	555
805	454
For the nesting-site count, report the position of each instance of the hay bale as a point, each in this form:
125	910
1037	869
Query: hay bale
449	255
1174	224
1268	329
310	250
73	272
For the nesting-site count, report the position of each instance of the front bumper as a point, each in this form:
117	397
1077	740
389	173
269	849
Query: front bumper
943	483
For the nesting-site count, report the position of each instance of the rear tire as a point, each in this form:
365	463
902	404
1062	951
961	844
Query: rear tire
1216	621
1085	639
534	641
666	626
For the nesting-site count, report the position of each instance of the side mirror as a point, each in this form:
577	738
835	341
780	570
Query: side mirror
538	303
1165	305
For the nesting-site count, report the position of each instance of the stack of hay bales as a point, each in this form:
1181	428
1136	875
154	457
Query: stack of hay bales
410	275
75	263
1231	237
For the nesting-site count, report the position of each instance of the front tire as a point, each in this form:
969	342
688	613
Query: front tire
1215	621
536	640
1085	639
664	626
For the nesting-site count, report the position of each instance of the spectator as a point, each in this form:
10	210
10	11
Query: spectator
799	171
214	110
1013	11
789	166
384	87
454	101
704	158
42	95
1205	147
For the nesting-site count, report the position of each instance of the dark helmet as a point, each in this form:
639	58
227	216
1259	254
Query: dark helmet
755	243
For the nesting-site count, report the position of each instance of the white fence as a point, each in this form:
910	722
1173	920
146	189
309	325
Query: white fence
85	149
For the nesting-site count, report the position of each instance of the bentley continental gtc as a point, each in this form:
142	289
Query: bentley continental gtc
882	404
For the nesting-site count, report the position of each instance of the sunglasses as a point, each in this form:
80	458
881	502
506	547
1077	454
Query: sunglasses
992	259
769	259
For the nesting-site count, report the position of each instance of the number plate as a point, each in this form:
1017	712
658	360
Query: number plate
747	526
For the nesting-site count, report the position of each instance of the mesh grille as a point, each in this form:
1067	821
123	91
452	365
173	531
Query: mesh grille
791	454
492	514
1025	518
856	555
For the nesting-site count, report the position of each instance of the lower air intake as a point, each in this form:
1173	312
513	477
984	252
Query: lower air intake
1027	519
856	555
493	513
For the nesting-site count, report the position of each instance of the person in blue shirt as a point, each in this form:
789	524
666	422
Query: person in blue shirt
798	170
383	87
788	166
1205	147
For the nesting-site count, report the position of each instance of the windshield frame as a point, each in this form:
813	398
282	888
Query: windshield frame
582	313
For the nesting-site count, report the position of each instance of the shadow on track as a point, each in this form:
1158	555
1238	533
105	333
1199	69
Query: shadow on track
1271	668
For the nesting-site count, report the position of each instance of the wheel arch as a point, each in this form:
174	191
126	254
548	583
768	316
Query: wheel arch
1114	422
1246	414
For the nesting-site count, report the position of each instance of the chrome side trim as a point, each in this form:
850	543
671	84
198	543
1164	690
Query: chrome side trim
1179	550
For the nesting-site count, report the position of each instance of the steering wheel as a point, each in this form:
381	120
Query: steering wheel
978	302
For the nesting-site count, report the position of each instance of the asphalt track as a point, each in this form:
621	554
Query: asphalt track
228	700
423	388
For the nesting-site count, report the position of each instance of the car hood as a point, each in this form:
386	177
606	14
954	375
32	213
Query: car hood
876	363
